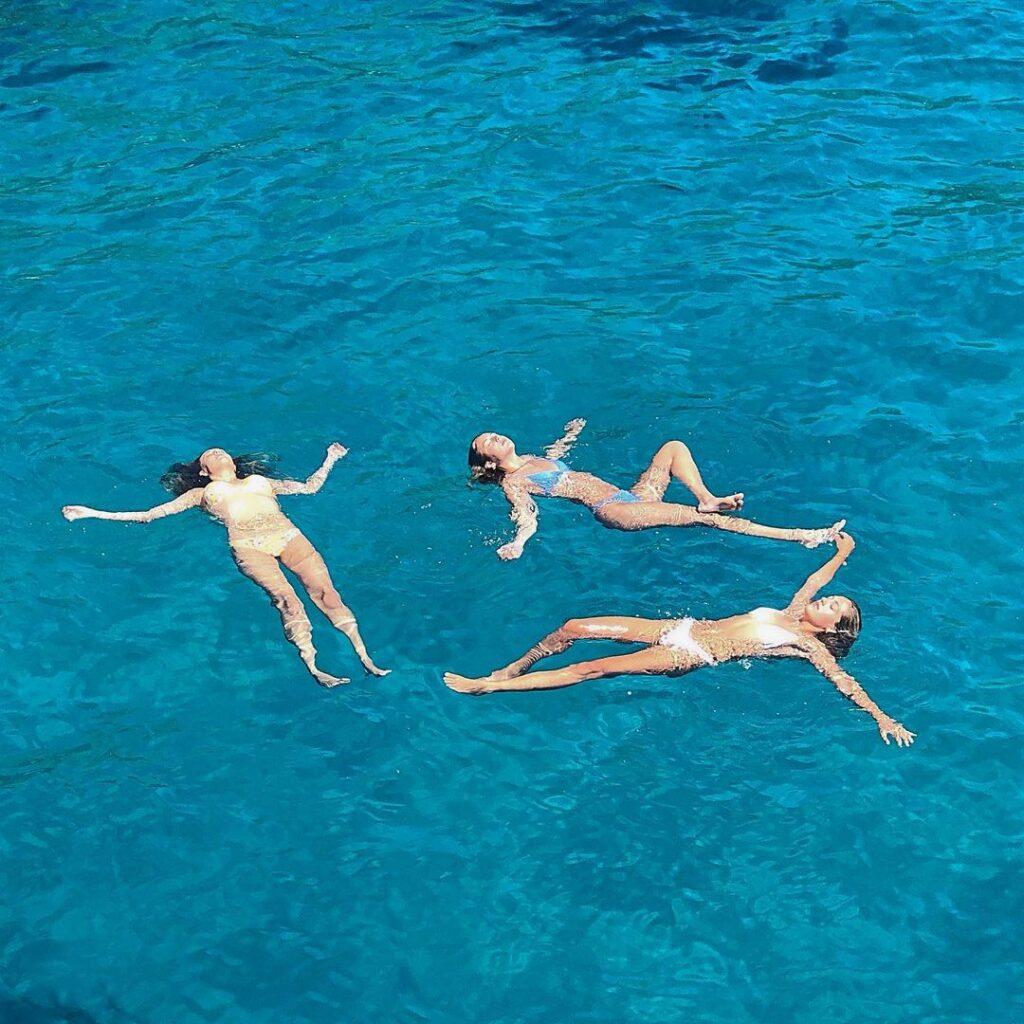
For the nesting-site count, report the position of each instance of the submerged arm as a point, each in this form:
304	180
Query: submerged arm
524	515
314	481
561	447
823	576
190	499
821	658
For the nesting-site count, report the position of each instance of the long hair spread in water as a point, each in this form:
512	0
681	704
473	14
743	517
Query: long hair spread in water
184	476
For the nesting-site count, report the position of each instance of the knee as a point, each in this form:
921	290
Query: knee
289	606
588	670
327	597
670	449
572	628
668	453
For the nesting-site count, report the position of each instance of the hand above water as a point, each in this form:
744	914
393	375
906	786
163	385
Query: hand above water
889	727
845	545
507	552
73	512
336	451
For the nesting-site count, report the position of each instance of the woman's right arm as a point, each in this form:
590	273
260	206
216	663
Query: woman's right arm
844	548
190	499
524	515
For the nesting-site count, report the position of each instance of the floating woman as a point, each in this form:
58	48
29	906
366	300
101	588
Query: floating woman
817	631
240	494
493	459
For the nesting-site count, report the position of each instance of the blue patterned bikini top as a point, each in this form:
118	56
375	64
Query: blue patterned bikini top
548	479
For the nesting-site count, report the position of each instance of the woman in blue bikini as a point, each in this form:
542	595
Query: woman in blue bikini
493	459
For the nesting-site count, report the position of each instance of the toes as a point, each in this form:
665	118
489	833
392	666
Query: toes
329	682
462	684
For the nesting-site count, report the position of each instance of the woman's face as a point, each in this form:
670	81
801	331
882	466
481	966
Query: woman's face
494	447
825	613
215	462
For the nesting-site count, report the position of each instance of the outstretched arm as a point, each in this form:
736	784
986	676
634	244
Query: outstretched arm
561	447
821	658
823	576
314	481
524	515
190	499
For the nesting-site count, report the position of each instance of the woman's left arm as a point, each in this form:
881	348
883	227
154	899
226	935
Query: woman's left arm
821	658
823	576
561	447
314	481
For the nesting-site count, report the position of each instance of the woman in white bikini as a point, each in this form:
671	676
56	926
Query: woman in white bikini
817	631
493	459
262	539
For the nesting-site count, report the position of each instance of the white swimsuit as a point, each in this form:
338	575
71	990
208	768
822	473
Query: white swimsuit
770	635
680	638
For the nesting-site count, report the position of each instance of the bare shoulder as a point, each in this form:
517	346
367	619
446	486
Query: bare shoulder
531	464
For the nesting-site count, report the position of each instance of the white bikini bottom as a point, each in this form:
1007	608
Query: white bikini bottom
680	638
267	542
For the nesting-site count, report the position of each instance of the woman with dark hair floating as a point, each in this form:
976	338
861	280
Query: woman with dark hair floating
493	459
243	497
817	631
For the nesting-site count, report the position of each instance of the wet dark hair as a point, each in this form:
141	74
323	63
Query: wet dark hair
840	639
184	476
482	470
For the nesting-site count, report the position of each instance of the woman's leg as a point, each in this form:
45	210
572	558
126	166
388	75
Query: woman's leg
306	562
673	459
263	570
621	628
645	515
653	661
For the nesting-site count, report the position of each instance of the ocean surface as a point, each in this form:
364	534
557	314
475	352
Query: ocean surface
791	234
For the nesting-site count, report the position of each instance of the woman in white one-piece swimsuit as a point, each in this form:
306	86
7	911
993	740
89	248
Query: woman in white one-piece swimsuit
817	631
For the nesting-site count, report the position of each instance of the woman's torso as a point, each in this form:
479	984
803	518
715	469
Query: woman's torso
245	506
552	478
748	635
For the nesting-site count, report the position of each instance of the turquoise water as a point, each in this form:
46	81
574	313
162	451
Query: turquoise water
789	233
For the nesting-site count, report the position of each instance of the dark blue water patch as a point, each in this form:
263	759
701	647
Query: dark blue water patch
29	75
35	114
736	60
30	1011
614	31
702	79
707	32
725	83
817	63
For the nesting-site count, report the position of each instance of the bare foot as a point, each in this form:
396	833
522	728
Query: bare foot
373	670
325	679
828	536
730	503
463	684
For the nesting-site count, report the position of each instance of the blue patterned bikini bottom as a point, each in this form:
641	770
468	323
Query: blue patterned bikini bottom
619	496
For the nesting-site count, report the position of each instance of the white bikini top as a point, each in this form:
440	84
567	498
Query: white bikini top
769	633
